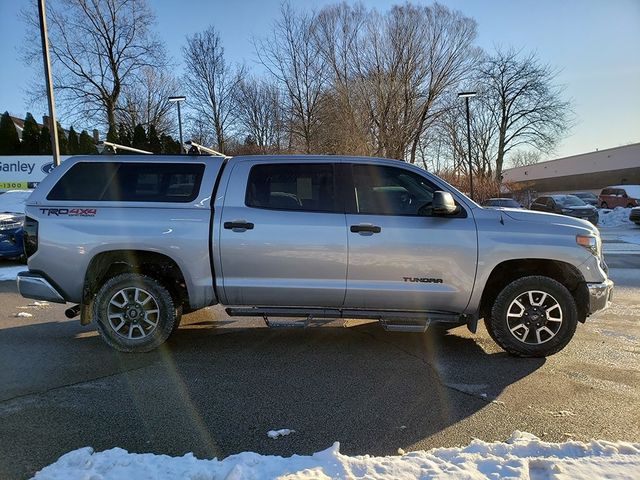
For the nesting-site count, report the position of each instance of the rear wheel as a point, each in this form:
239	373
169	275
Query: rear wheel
630	205
533	317
134	313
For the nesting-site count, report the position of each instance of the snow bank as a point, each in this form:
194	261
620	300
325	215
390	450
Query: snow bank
522	456
619	217
10	273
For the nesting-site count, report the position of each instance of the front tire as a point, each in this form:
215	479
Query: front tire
533	316
134	313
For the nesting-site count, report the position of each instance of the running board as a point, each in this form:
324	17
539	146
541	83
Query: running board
392	321
399	326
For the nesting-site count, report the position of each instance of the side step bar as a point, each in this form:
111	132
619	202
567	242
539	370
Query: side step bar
393	321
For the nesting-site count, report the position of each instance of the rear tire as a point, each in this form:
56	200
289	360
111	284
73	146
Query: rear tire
533	316
134	313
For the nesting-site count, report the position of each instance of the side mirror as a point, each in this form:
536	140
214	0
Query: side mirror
443	203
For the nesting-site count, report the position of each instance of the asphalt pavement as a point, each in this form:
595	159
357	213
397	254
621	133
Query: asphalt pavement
220	384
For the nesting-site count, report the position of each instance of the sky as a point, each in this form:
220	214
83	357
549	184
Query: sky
595	44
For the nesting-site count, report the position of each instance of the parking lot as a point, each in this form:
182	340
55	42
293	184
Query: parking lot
220	384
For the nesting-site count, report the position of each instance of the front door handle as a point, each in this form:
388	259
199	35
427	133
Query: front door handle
365	227
239	225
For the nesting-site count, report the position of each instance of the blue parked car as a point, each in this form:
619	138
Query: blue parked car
11	222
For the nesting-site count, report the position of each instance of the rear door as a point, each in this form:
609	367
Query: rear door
400	256
283	236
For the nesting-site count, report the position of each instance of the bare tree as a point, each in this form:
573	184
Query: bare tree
146	102
292	57
260	114
391	71
526	104
524	158
211	82
97	49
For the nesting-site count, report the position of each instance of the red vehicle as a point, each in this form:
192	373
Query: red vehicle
620	196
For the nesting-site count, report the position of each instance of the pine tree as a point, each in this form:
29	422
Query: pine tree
30	136
62	140
9	140
124	136
155	145
45	141
140	139
86	146
169	145
112	135
72	142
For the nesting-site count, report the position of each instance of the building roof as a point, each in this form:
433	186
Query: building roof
610	159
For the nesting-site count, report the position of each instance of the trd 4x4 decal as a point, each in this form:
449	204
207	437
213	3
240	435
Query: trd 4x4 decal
69	212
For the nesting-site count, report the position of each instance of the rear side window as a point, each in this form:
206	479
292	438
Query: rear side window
129	182
288	186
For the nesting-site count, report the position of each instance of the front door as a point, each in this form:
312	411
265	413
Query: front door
401	257
283	239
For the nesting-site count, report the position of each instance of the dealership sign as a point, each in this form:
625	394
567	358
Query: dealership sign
24	171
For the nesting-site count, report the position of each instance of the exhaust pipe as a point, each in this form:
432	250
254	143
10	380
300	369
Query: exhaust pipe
72	312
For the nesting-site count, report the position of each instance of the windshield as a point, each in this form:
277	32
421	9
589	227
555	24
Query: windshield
570	201
586	195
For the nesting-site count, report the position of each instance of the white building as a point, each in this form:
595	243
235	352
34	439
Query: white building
587	172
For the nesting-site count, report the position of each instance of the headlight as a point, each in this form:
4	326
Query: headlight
591	243
9	223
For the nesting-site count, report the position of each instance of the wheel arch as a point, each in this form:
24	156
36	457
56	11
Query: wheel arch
156	265
510	270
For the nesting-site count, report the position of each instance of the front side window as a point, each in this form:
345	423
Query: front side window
129	182
292	186
383	190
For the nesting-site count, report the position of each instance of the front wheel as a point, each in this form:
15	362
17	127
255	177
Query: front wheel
134	313
533	316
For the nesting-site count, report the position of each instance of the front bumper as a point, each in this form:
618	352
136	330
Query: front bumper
600	295
35	286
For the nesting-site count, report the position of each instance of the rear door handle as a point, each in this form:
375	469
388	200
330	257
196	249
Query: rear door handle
365	227
238	224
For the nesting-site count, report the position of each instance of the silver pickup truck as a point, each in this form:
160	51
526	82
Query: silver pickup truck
136	241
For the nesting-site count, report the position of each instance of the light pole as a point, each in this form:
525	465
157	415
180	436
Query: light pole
55	147
177	100
467	96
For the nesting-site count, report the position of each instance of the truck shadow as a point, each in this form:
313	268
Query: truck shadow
372	390
216	391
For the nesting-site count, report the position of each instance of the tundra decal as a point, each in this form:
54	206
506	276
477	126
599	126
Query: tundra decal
422	280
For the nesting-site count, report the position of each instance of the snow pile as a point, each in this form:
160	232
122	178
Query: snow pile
522	456
10	273
283	432
619	217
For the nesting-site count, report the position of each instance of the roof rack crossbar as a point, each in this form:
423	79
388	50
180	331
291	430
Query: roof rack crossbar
110	147
196	149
